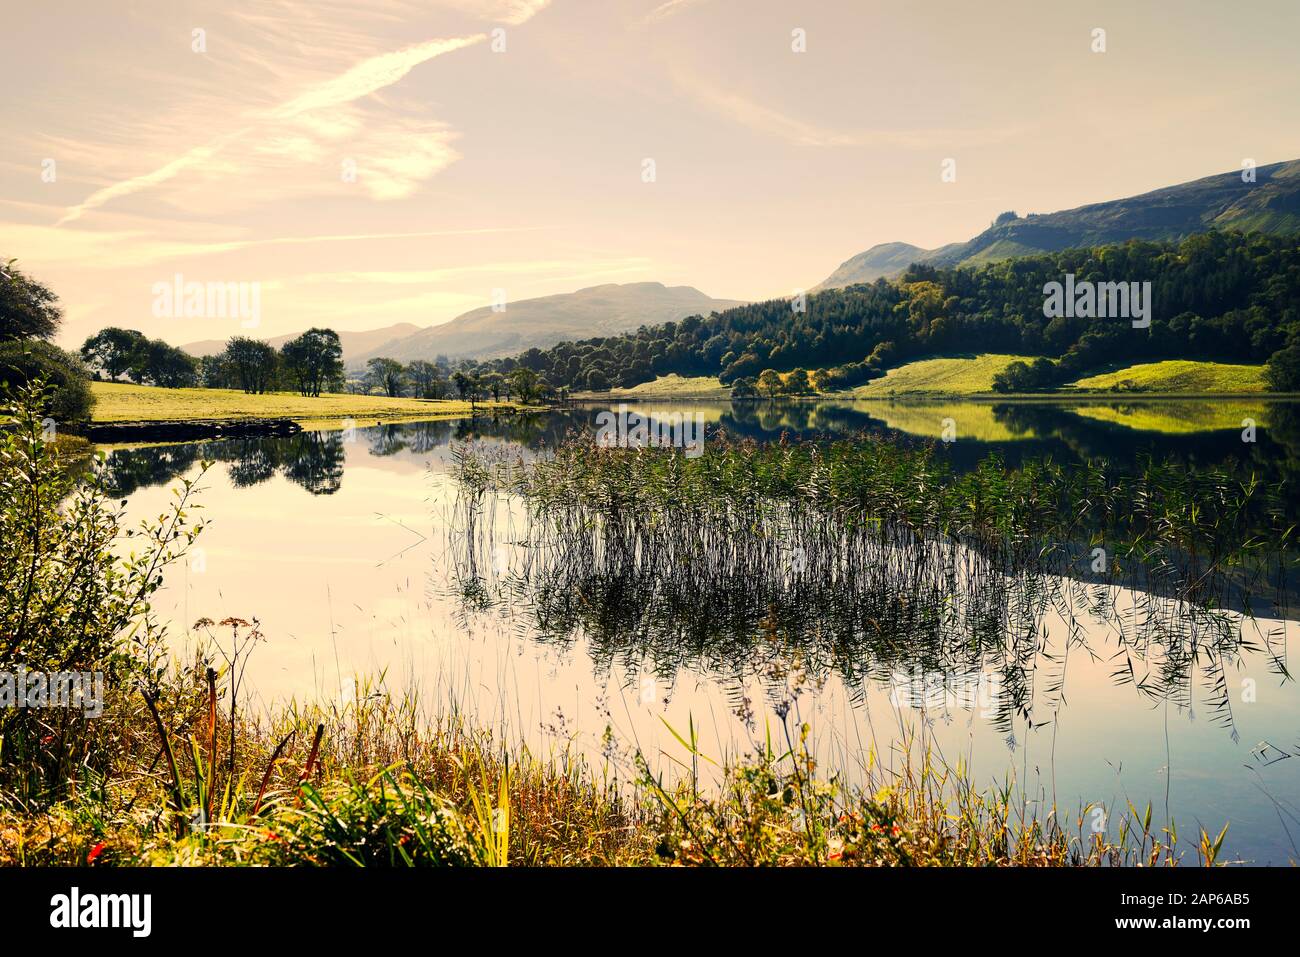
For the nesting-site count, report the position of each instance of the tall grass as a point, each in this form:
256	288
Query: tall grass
390	786
870	557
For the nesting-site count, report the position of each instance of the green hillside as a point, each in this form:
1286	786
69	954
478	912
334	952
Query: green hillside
668	386
946	375
1178	375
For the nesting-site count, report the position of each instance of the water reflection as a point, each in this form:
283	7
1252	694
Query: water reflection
1198	433
353	552
717	593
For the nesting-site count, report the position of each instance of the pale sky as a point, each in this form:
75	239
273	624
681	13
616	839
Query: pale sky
129	157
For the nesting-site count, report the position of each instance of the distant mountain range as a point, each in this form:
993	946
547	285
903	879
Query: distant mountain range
1270	204
355	344
542	322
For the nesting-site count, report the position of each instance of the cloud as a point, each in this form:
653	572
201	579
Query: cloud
541	267
124	248
665	10
300	129
187	160
767	120
369	76
510	12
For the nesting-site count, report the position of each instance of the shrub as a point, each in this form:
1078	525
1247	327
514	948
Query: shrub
69	603
23	362
1283	373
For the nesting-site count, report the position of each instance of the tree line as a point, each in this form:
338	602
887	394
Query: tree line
309	364
1222	295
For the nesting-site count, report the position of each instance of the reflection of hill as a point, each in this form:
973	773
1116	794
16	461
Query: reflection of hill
1175	418
969	420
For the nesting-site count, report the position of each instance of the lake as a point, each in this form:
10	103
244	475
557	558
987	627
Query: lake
357	553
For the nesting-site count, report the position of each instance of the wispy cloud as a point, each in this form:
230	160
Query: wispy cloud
369	76
666	10
770	121
318	120
566	267
123	248
510	12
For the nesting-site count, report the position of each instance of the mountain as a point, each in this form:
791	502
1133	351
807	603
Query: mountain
887	259
543	322
1270	204
354	344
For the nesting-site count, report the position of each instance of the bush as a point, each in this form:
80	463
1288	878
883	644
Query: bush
1283	373
69	604
23	362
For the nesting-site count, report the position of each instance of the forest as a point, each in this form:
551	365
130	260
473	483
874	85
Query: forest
1222	296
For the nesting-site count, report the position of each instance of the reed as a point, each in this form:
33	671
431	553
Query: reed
869	557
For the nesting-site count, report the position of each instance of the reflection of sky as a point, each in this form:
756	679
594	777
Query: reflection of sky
356	582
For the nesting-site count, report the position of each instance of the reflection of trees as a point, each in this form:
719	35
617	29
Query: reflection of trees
313	460
386	440
129	469
316	462
251	463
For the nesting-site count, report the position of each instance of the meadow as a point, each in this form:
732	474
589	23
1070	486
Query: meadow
123	402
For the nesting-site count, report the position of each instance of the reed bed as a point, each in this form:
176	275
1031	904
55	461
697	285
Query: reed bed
870	557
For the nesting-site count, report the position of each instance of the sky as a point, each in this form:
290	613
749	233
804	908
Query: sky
357	165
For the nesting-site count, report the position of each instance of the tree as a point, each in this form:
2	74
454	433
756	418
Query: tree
213	373
424	379
1283	372
29	314
313	361
464	385
743	388
769	383
797	383
28	309
252	364
161	364
387	375
113	351
524	383
597	381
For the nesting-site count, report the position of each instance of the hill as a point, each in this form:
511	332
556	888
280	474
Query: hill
355	344
946	375
1270	204
542	322
1179	375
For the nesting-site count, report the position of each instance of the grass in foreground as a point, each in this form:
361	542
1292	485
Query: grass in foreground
123	402
376	784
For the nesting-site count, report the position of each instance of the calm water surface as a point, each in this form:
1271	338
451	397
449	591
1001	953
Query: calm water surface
352	550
